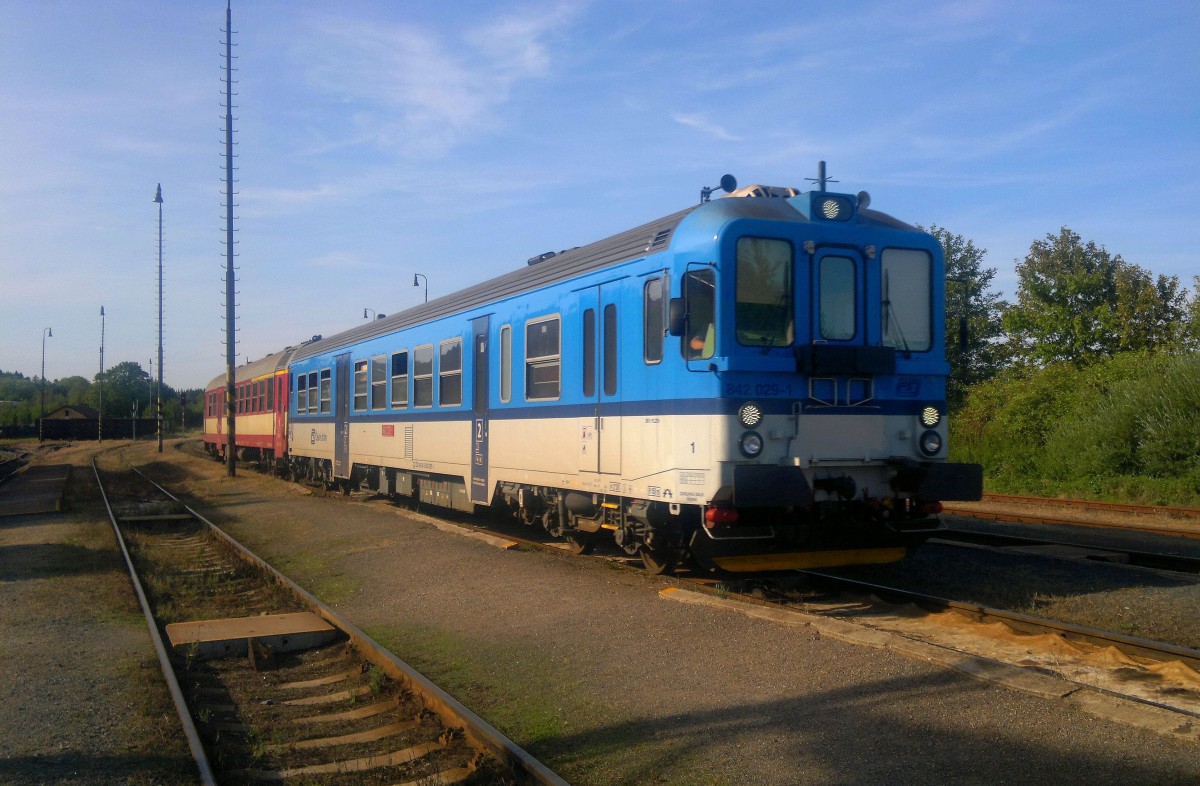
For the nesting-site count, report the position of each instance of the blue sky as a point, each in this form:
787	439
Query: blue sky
381	139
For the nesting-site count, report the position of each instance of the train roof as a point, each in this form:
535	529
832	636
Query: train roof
276	361
762	202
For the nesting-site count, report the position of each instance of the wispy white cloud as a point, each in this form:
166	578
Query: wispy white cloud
700	123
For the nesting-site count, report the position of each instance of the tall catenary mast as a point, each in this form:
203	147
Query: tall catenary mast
159	411
230	313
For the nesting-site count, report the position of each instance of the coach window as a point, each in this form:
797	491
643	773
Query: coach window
542	359
423	376
764	309
699	336
610	349
326	391
838	303
379	382
653	321
907	316
506	363
450	373
589	352
360	385
301	394
313	399
262	395
400	379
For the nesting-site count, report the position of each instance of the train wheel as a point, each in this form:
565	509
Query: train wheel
659	562
581	542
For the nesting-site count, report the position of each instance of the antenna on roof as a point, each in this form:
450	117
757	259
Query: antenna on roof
728	185
820	179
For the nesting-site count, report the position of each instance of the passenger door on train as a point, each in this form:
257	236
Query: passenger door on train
600	429
481	492
341	445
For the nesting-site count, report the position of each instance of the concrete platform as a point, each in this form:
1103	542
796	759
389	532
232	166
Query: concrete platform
39	489
228	637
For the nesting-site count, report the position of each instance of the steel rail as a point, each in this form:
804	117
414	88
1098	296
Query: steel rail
1083	504
1142	559
1130	645
181	708
1032	518
487	736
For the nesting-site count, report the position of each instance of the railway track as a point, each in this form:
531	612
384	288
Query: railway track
1023	509
270	684
1123	556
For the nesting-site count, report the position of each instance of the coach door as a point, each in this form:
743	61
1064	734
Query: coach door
600	430
480	489
341	426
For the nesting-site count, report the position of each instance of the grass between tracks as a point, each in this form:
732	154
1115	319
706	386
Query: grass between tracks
540	703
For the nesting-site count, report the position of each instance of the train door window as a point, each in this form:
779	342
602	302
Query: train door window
313	400
764	309
423	376
301	394
542	359
379	382
906	286
360	385
450	373
653	321
589	352
699	296
241	399
400	379
838	302
506	363
610	349
326	391
271	393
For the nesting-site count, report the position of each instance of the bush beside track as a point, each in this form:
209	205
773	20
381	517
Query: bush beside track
1123	428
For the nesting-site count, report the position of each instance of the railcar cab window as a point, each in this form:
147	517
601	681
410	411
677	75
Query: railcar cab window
838	303
450	373
360	385
423	376
400	379
301	394
764	298
313	394
906	286
699	296
653	321
379	382
542	359
326	391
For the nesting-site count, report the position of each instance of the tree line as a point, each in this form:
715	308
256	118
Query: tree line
1076	303
127	388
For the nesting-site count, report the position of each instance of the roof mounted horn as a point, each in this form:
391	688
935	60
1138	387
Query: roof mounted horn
728	185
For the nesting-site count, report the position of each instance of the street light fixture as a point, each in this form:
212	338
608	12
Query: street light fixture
46	333
373	315
415	284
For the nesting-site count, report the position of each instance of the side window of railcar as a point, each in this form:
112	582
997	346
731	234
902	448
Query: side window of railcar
653	321
423	376
360	385
610	349
764	309
379	382
838	301
450	373
400	379
262	395
699	295
906	283
313	399
301	393
326	391
506	363
542	359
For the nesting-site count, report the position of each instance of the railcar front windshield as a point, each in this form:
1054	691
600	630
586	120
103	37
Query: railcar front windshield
764	299
906	313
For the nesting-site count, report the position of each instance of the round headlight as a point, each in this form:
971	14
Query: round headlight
930	417
930	443
751	444
749	415
831	209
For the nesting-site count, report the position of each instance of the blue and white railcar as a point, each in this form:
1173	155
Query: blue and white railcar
757	382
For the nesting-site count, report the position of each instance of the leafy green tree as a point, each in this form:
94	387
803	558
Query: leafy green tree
1077	302
969	295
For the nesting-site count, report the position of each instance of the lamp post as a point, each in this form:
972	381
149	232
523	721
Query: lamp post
158	403
373	313
100	380
415	284
46	333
